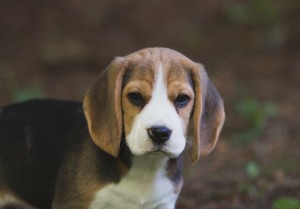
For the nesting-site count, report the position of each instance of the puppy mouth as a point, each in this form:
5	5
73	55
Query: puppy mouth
160	151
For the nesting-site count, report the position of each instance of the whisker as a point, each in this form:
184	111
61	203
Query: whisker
127	151
188	153
190	145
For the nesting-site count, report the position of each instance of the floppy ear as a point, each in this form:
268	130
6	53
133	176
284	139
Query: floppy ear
209	115
102	108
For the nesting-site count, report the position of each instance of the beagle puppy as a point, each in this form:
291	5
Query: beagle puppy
122	149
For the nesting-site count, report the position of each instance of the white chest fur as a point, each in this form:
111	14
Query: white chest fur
146	186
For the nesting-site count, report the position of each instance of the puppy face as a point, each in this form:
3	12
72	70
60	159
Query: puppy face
157	101
152	95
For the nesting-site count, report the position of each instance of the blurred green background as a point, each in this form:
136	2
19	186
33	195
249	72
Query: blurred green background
251	50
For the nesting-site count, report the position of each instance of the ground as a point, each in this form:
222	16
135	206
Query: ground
251	50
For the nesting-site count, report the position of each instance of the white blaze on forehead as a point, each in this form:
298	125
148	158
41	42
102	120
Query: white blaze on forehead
160	111
159	93
160	105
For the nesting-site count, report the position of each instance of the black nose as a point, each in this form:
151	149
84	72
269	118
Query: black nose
159	134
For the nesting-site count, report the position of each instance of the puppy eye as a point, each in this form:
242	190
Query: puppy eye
136	99
182	100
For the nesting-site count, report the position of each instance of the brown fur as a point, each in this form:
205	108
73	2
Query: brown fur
86	170
102	108
208	116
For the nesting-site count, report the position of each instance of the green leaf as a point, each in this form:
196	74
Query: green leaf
252	170
286	203
27	93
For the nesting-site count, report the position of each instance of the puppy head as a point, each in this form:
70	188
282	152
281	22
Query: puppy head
155	92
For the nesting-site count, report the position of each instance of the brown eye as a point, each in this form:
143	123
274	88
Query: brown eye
182	100
136	99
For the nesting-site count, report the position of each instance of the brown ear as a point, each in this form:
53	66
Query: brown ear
209	115
102	108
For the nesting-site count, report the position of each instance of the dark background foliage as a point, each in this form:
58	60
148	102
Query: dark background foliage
251	50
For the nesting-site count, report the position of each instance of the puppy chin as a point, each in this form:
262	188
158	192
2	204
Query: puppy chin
172	153
156	151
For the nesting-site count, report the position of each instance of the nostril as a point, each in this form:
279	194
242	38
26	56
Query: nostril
159	134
